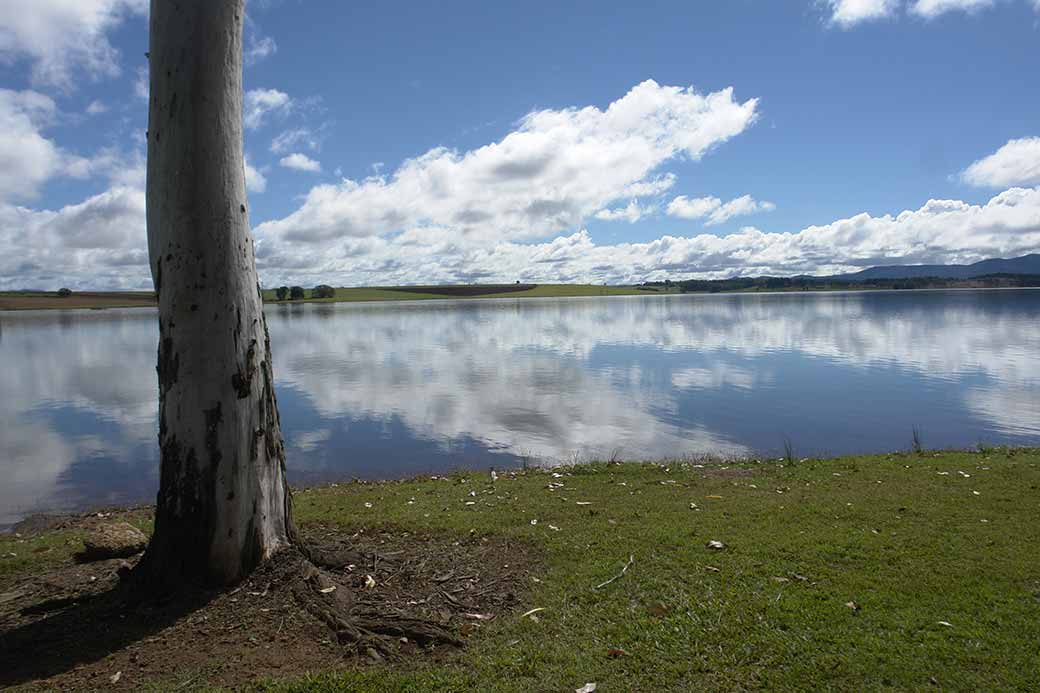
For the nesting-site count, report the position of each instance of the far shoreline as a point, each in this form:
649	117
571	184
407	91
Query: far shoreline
12	301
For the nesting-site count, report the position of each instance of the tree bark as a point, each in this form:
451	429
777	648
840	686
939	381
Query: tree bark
223	504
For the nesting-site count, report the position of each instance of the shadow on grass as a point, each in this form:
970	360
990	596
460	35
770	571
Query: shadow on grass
55	636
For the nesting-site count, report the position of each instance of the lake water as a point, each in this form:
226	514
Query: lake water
394	389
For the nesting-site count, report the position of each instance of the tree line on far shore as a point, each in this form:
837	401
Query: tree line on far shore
298	293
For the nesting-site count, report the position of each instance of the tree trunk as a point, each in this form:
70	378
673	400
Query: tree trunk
223	503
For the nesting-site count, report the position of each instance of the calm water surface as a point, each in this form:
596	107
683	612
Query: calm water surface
384	390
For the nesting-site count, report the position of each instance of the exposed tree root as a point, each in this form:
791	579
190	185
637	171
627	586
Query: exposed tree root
357	624
385	594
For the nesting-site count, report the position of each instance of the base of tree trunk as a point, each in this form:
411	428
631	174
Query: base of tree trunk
381	596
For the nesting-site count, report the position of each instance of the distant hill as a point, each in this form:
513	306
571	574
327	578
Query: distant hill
1027	264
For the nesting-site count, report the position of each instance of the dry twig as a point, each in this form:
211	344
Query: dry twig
631	560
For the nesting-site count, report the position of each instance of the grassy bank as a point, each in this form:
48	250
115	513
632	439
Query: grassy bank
44	300
408	294
858	573
48	300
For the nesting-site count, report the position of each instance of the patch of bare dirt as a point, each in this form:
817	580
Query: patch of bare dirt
38	523
404	595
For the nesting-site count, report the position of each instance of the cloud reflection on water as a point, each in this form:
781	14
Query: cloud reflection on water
393	389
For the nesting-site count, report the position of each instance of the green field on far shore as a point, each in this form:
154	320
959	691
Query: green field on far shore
405	293
43	300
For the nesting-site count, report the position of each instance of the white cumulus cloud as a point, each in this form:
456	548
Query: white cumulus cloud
940	231
255	180
99	243
60	37
933	8
632	212
296	138
258	49
715	210
141	83
1016	163
556	169
258	103
848	13
28	159
300	162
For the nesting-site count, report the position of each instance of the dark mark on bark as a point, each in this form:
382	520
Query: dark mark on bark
213	419
254	446
242	381
169	364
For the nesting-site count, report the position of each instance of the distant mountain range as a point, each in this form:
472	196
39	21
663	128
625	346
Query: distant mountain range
1027	264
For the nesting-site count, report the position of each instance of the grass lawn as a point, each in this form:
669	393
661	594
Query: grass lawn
896	572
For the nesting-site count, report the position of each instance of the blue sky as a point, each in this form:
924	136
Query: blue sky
465	141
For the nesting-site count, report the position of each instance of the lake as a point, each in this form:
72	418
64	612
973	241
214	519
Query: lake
384	390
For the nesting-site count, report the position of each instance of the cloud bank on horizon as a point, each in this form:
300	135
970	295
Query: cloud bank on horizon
518	207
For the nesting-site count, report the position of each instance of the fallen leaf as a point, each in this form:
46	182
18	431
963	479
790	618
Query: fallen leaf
714	497
715	545
328	589
616	652
468	629
587	688
780	579
114	678
853	605
370	582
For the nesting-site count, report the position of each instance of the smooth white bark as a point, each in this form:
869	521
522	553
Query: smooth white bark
223	503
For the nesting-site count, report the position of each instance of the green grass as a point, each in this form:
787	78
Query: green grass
49	550
909	538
